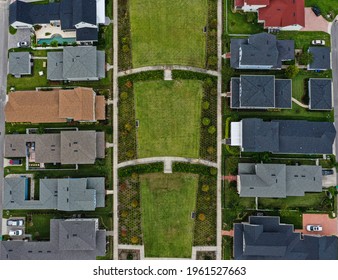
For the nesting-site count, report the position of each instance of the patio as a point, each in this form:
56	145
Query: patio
48	31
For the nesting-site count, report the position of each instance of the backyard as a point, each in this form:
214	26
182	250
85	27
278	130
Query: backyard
168	32
169	115
167	201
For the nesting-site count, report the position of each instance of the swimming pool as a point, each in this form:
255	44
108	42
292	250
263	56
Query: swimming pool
59	39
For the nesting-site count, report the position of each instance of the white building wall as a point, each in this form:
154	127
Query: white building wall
252	8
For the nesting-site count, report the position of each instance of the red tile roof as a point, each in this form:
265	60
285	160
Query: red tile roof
239	3
257	2
281	13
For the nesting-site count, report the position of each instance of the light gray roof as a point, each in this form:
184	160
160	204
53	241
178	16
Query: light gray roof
73	239
55	66
320	93
20	63
321	58
264	238
278	180
101	64
67	147
71	194
287	136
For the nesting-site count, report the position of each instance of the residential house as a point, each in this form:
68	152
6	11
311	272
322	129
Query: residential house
283	136
278	180
71	194
82	63
265	238
320	94
19	64
321	58
66	147
80	16
55	106
260	52
71	239
260	92
276	14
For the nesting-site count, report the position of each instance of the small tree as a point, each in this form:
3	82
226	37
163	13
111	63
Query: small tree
211	129
124	95
201	217
205	188
211	150
205	121
134	240
205	105
54	43
291	71
305	58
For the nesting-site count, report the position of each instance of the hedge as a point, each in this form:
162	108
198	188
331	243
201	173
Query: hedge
141	169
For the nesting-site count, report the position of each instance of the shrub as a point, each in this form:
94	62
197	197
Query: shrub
141	169
291	71
305	58
128	127
205	105
212	60
211	150
213	23
250	17
65	43
130	153
124	95
129	84
134	176
206	121
125	40
213	91
109	130
124	214
201	217
125	48
44	44
211	129
134	240
134	203
205	188
12	30
74	44
213	171
54	43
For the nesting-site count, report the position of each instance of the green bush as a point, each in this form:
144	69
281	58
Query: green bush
54	43
205	188
141	169
124	95
211	129
206	121
292	71
125	48
205	105
212	60
12	30
143	76
193	168
189	75
211	150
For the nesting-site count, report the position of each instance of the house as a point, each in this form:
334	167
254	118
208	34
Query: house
81	16
283	136
55	106
81	63
276	14
265	238
260	52
66	147
19	64
260	92
320	94
71	194
277	180
321	58
71	239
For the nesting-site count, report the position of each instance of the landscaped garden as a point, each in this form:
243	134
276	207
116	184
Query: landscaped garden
167	202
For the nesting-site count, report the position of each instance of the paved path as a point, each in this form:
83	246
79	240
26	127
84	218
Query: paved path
115	129
228	233
314	23
39	57
166	160
163	67
299	103
3	88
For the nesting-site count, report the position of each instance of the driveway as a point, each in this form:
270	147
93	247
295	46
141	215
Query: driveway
314	23
330	180
20	36
329	225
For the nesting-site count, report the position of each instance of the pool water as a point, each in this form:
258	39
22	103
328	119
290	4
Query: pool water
59	39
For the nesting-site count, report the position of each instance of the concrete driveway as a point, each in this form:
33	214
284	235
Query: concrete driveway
21	35
314	23
330	180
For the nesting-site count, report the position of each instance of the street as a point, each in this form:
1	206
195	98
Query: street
3	85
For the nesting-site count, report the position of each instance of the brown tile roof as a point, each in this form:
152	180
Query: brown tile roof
79	104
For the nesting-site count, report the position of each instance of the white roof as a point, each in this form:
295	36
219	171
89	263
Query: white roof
236	134
100	11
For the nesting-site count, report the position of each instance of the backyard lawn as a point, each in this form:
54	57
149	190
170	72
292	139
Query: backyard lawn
167	201
169	115
168	32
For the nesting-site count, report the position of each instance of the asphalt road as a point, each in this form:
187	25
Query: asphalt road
3	86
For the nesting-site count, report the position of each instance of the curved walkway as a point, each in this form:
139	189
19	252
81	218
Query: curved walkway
168	67
299	103
167	162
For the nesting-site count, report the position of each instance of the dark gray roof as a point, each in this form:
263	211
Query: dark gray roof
264	238
278	180
287	136
19	63
260	50
66	14
72	194
321	58
84	11
235	93
320	93
87	34
283	94
72	239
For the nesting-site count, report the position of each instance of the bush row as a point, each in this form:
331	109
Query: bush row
125	54
140	169
211	45
194	168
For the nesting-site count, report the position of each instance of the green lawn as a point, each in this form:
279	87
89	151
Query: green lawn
167	201
326	7
168	32
303	39
169	115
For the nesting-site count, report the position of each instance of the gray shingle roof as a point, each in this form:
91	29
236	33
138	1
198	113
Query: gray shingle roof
72	239
321	58
320	93
288	136
72	194
19	63
55	66
260	51
283	93
264	238
87	34
278	180
84	11
234	101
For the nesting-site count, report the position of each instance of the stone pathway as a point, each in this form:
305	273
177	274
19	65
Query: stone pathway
109	145
109	67
168	75
299	103
109	192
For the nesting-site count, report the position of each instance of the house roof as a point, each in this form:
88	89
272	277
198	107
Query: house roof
55	65
19	63
283	93
320	92
261	49
79	104
84	11
282	13
288	136
264	238
80	194
87	34
278	180
234	92
257	2
72	239
321	58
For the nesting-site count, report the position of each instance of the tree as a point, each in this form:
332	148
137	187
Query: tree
205	105
211	129
54	43
205	121
291	71
305	58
